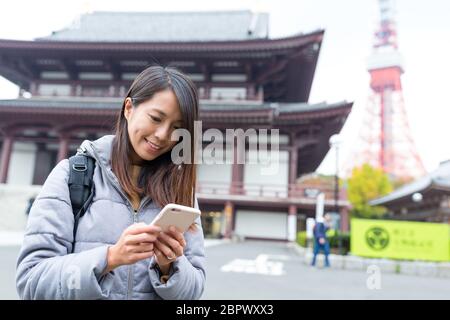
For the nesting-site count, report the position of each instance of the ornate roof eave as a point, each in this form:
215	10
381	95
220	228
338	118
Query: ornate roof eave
336	110
209	47
406	198
252	113
438	180
59	111
404	193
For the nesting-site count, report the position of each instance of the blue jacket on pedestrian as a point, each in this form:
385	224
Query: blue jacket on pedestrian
320	230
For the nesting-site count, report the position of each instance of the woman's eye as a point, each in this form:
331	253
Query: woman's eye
155	119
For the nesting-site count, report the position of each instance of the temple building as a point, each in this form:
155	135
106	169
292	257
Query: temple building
426	199
72	84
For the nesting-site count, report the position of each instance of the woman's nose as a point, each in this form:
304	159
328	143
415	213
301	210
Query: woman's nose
162	133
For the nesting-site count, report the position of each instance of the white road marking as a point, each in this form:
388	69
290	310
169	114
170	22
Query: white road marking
261	265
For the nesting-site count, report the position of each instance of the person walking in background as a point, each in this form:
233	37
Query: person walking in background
30	204
321	242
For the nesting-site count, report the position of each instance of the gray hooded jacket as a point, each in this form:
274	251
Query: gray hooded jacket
46	268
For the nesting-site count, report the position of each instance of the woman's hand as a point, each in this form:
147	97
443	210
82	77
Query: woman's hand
168	247
136	243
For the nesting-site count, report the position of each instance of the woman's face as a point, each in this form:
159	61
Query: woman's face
150	125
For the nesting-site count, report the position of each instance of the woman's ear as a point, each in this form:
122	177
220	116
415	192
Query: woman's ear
128	109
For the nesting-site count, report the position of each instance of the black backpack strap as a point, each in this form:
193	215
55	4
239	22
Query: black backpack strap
81	186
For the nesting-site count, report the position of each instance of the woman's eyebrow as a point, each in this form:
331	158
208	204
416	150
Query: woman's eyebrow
160	112
165	115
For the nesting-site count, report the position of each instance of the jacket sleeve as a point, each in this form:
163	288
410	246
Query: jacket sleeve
45	268
187	274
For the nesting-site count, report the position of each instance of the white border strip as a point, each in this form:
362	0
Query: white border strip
11	238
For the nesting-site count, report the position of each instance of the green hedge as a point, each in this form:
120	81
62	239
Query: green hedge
344	237
301	238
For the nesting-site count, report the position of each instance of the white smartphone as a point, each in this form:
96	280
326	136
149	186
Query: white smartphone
176	215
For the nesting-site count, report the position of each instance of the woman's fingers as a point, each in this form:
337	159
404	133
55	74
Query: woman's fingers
144	247
166	250
160	258
173	244
142	255
177	235
142	228
138	238
193	228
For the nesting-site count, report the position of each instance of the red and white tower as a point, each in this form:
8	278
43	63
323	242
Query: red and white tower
385	136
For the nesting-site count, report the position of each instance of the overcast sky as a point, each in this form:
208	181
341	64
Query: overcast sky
424	41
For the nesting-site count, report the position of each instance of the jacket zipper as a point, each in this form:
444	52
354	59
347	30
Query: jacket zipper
133	212
131	267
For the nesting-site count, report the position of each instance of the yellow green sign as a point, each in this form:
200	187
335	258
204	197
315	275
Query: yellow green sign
400	240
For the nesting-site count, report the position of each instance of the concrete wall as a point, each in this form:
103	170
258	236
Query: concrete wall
21	164
210	173
13	203
275	183
272	225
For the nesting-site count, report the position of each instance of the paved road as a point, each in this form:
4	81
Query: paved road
298	281
268	270
8	257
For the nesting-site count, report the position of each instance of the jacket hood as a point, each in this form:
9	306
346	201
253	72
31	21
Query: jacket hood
100	149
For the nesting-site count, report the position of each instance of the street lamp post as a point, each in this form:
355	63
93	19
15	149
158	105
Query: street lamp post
417	197
335	141
336	182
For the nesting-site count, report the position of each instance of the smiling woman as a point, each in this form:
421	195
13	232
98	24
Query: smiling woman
150	126
109	257
159	101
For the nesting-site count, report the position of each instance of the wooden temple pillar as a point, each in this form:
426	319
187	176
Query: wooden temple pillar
229	219
5	158
292	211
345	219
63	147
293	162
237	174
43	163
292	223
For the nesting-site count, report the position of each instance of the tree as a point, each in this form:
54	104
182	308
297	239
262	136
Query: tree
365	184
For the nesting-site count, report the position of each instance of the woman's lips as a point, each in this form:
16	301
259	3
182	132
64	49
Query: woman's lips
151	146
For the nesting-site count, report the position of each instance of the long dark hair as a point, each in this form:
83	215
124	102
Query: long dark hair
160	179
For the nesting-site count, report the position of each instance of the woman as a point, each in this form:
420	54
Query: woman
116	253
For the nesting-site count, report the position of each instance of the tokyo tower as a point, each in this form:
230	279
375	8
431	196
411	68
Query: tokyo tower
385	137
